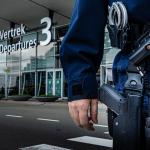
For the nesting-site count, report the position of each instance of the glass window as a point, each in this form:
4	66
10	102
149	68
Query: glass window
2	67
2	58
13	84
107	61
41	83
28	83
30	52
45	56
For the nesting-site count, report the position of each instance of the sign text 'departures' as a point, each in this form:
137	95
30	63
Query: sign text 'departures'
20	31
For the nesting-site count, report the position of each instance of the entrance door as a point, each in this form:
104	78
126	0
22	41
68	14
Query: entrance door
28	83
55	82
50	76
58	83
41	78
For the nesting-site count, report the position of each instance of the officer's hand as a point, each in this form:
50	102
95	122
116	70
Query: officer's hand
84	112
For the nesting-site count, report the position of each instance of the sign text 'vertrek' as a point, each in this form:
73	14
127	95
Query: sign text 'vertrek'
12	32
23	44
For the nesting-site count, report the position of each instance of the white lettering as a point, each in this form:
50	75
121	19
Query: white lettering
23	29
1	35
5	35
12	35
5	48
30	43
18	31
35	42
1	48
46	31
12	32
27	44
9	49
9	34
13	47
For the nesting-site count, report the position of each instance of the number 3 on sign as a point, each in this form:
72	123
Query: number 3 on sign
46	31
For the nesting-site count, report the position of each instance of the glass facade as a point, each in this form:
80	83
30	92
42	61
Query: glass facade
37	71
107	61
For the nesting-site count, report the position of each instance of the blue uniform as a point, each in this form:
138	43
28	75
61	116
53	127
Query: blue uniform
82	48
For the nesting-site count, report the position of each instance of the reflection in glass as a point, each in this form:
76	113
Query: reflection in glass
28	83
41	83
45	56
58	83
19	69
13	84
50	83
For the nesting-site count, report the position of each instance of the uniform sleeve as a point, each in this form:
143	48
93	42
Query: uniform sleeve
82	48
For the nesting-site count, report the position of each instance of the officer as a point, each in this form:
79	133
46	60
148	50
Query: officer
82	50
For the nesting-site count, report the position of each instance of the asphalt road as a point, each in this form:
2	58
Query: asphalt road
47	126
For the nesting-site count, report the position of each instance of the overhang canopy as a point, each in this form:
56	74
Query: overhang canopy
30	12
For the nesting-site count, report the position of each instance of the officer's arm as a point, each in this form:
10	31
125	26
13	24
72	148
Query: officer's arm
82	51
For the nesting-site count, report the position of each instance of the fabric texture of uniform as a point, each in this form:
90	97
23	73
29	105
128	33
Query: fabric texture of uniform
82	48
138	10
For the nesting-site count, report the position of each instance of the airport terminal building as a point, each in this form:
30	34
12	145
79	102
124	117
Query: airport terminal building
31	32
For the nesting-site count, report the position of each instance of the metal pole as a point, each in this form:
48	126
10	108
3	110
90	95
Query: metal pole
6	95
20	72
36	67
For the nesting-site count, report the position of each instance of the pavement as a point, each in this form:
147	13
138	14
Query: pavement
101	107
33	125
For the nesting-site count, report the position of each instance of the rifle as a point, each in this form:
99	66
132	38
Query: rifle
128	121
